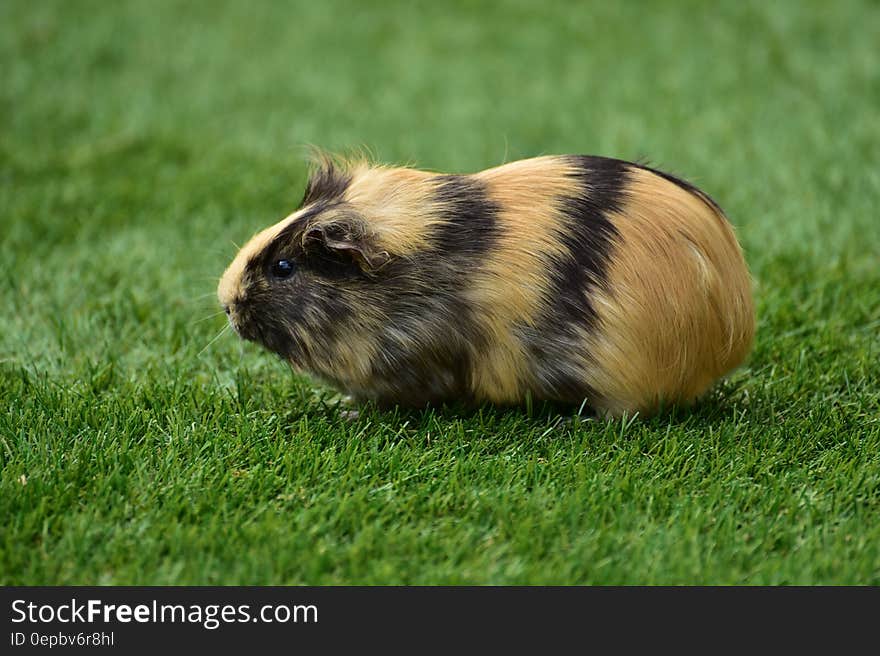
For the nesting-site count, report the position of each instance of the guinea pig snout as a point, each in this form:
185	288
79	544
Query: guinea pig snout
234	315
231	316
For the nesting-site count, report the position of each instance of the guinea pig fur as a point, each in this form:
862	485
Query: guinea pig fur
573	279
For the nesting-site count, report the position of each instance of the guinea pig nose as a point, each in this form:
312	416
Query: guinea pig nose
227	310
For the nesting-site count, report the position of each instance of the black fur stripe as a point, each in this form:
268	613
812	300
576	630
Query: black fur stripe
471	225
588	235
326	183
436	365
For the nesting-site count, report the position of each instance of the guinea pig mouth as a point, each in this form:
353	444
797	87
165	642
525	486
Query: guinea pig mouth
251	326
240	323
268	336
245	329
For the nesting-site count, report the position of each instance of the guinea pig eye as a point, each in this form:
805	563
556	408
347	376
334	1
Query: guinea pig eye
282	269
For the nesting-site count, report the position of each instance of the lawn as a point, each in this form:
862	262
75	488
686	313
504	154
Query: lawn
141	140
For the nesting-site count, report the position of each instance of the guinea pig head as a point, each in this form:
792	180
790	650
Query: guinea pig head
296	284
361	285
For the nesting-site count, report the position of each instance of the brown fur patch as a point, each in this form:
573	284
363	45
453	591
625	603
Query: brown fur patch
679	314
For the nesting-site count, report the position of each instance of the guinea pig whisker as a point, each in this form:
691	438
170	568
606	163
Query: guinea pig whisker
216	337
201	299
210	316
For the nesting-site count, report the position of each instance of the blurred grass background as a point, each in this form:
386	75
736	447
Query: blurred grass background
140	140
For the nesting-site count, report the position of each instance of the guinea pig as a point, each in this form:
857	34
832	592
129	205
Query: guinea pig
577	279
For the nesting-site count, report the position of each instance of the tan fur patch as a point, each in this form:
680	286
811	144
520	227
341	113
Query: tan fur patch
397	204
679	314
351	358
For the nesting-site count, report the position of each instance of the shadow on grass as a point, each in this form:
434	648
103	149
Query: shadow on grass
723	403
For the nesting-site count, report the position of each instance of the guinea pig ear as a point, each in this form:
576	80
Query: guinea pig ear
347	241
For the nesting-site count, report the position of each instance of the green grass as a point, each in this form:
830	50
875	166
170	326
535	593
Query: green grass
139	140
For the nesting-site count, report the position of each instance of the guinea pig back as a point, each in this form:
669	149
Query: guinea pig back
561	278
